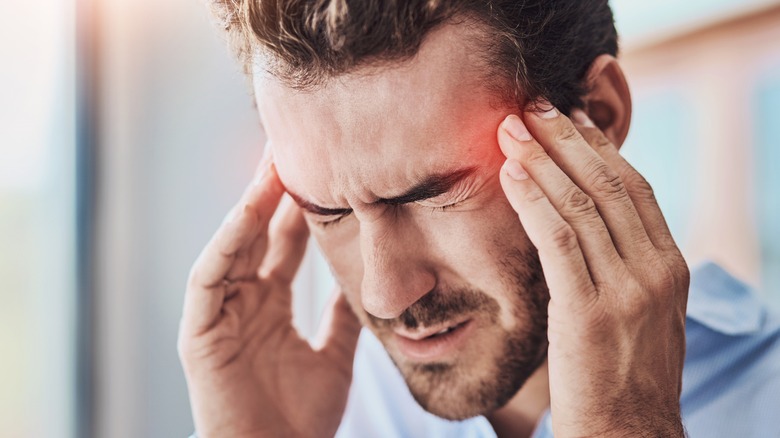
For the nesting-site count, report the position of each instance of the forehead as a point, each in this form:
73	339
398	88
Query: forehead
370	133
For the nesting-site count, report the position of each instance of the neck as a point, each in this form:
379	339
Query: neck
519	417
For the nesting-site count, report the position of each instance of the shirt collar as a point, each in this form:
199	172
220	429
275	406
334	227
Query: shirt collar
722	303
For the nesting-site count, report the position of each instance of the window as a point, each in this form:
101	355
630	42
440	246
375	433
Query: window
37	220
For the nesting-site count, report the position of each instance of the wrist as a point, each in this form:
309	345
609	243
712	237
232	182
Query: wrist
649	425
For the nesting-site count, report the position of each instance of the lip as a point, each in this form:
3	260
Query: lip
422	346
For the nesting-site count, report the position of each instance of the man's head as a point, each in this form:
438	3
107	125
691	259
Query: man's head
382	117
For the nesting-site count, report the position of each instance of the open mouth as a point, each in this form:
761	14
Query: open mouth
446	330
433	343
429	332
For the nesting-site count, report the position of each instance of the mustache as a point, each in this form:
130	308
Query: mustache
439	305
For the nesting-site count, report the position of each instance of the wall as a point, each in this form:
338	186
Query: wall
705	134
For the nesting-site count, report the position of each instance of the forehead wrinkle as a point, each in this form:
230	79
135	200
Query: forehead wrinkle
363	135
361	176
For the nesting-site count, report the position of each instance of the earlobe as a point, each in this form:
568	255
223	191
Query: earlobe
608	102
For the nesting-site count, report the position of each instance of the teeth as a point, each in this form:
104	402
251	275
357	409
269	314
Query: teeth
444	331
447	330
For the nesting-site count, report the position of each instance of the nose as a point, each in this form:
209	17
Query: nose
395	271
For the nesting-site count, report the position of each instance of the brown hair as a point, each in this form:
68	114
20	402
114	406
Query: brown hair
540	48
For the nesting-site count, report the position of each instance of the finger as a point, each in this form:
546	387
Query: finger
263	197
289	236
205	287
558	136
638	188
205	292
564	265
265	160
339	329
572	204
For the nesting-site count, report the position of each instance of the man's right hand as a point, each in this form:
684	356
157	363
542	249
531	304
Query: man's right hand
248	371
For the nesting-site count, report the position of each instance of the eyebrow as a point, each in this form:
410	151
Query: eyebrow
430	187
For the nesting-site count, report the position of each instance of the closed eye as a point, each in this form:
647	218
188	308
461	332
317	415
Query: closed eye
331	222
459	193
438	192
431	205
439	206
444	207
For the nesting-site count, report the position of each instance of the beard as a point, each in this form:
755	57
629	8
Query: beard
484	378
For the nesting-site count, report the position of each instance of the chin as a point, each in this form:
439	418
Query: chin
460	404
455	395
458	392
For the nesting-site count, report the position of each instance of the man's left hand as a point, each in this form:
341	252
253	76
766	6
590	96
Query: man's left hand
618	283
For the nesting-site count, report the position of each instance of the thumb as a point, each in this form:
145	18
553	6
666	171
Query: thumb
339	330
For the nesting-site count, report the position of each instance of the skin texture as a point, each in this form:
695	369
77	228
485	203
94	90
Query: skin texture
345	146
553	249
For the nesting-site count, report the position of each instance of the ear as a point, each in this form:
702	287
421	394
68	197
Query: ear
608	102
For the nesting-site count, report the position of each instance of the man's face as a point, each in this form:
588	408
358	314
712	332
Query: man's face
398	171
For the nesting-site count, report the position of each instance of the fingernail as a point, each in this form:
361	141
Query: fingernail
546	110
580	117
516	128
515	170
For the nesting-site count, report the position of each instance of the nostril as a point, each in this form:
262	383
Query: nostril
380	306
388	296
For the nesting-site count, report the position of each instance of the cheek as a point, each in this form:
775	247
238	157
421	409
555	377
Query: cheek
476	242
465	248
486	249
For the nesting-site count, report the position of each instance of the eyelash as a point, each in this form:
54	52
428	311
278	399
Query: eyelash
444	207
326	224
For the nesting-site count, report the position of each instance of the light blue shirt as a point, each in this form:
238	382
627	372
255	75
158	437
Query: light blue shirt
731	378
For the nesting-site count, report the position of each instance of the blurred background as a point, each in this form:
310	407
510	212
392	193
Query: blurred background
127	132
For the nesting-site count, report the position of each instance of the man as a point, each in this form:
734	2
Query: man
458	164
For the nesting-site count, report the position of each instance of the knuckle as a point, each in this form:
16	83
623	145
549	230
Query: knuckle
562	236
661	277
537	157
534	196
568	134
639	186
608	182
196	276
634	298
193	276
664	283
600	142
684	274
679	274
576	203
638	307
